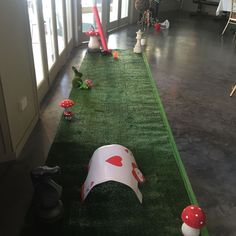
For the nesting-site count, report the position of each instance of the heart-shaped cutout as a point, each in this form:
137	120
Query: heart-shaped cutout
138	175
115	160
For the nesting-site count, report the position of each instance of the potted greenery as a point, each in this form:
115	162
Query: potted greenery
146	10
144	24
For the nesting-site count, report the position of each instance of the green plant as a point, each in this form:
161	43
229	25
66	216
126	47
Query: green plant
146	20
148	13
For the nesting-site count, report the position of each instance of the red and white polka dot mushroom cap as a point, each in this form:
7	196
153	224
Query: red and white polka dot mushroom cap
92	32
66	103
193	216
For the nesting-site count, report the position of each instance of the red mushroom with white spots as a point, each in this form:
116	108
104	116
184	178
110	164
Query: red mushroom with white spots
94	44
194	219
92	32
67	104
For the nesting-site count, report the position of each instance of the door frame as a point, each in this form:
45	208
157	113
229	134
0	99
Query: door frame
6	154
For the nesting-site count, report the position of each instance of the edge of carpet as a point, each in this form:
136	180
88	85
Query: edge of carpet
187	184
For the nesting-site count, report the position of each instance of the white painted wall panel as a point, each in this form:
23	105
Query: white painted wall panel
16	68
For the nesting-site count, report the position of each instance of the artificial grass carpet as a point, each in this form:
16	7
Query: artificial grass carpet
121	109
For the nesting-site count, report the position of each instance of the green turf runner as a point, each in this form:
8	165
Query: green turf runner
124	108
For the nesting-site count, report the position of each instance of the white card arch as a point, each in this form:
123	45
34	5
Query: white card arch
113	163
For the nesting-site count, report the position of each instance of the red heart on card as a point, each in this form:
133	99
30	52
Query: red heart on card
127	150
115	160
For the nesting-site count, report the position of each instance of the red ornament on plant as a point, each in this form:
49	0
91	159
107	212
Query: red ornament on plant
157	26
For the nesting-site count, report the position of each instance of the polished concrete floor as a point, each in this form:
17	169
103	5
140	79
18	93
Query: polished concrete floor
194	69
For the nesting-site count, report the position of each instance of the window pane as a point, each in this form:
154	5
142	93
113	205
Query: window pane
60	26
114	5
99	7
47	16
87	13
69	23
36	46
124	8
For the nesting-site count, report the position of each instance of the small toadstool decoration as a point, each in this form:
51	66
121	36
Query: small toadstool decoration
194	219
93	45
67	104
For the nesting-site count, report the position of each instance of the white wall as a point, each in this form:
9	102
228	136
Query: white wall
16	69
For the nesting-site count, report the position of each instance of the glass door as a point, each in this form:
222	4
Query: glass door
118	13
69	20
114	14
60	25
124	12
88	19
51	33
36	42
38	46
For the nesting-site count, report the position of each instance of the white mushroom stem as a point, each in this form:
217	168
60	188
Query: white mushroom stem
93	42
189	231
67	108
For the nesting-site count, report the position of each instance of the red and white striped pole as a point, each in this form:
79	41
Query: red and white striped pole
100	29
